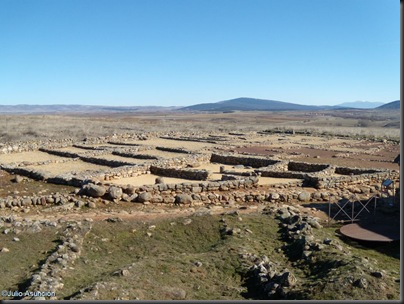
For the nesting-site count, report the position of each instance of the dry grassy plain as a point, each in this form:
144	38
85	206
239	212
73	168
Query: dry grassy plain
128	250
384	124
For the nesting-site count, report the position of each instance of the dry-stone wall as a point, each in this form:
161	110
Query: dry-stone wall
195	139
51	274
354	171
338	181
60	153
241	160
89	159
8	148
134	155
39	200
191	174
174	150
106	162
306	167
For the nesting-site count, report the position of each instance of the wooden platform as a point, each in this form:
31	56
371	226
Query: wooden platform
375	232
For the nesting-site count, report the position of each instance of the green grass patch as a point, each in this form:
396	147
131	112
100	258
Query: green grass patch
24	257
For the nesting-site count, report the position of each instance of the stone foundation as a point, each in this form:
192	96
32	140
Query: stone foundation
241	160
191	174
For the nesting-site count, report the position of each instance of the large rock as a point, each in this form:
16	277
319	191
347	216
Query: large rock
183	199
130	189
159	180
144	197
274	196
115	192
304	196
361	283
288	279
94	190
174	293
18	179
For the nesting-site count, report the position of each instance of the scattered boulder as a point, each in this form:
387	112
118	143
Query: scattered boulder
361	283
94	190
114	219
130	189
18	179
115	192
144	197
175	293
80	204
288	279
304	196
183	199
377	274
187	221
91	205
274	196
327	241
159	180
122	272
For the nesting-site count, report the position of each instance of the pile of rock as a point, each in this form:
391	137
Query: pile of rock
50	275
16	225
41	200
271	282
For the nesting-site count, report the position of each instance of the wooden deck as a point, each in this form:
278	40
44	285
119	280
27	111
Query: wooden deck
375	232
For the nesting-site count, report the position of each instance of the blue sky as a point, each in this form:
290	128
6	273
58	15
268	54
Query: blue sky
183	52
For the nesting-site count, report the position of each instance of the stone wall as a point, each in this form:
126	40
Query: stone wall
191	174
60	153
16	147
242	160
134	155
8	148
85	147
89	159
204	193
195	139
174	150
306	167
109	173
343	181
122	143
283	174
354	171
106	162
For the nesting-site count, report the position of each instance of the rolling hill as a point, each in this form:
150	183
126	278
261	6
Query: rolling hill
60	108
360	104
394	105
250	104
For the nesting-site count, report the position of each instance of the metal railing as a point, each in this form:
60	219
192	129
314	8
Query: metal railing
352	216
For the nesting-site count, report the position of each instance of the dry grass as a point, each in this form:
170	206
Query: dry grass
33	127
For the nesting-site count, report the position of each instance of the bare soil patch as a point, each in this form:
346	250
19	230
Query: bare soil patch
73	166
34	156
381	158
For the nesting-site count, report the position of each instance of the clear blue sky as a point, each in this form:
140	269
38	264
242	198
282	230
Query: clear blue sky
183	52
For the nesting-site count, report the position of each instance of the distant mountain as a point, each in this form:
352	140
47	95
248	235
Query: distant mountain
251	104
394	105
11	109
360	104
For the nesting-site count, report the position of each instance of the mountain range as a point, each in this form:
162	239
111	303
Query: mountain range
237	104
394	105
56	108
361	104
253	104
